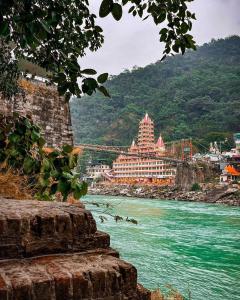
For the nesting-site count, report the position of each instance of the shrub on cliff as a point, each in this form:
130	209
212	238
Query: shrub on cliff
49	173
195	187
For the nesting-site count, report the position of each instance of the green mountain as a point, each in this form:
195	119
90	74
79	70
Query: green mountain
196	95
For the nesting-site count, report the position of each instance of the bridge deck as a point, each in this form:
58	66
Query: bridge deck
119	150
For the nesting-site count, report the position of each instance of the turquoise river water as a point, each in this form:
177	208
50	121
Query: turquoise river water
192	246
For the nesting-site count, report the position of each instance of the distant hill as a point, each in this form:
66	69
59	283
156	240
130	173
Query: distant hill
196	95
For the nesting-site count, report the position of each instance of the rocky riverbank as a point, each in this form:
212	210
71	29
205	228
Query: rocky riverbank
212	194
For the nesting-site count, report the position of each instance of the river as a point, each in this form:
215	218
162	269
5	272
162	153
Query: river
192	246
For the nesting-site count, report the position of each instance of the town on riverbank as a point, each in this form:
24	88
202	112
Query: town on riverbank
169	170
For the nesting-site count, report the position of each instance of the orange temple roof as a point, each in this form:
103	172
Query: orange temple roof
231	170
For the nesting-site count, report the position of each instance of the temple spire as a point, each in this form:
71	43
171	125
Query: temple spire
146	118
160	143
146	131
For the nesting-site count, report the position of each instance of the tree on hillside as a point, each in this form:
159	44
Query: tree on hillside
189	96
55	33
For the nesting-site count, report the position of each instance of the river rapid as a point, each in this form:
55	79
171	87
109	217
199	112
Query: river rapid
192	246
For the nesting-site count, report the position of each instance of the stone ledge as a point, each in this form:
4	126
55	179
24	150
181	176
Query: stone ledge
29	227
69	277
84	268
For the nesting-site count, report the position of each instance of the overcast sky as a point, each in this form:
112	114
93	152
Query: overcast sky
131	41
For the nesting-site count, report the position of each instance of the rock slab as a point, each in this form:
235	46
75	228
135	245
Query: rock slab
31	227
68	277
53	251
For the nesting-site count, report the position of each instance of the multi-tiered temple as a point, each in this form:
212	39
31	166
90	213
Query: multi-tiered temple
131	169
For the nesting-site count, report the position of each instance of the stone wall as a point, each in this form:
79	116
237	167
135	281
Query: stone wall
46	108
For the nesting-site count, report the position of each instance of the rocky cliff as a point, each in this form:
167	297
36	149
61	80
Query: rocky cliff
190	173
46	108
52	250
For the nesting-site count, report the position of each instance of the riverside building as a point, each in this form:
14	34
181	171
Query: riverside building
134	169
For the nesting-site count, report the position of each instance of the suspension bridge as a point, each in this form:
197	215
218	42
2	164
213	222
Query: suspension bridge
176	152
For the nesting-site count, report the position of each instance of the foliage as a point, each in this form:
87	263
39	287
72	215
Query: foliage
54	34
195	95
21	149
195	187
9	72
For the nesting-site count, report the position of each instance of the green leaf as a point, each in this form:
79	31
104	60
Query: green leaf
46	164
67	148
80	190
98	29
43	182
54	154
41	142
35	135
63	186
91	83
161	17
163	31
102	78
184	27
45	26
53	188
4	29
104	91
74	183
67	175
105	8
77	193
73	159
14	138
62	87
54	173
89	72
28	164
117	11
84	188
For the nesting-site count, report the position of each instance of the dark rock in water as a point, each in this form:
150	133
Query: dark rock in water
223	195
83	265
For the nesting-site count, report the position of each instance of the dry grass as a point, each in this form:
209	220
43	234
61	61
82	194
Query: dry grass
14	186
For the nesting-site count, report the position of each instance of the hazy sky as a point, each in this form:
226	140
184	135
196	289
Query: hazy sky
131	41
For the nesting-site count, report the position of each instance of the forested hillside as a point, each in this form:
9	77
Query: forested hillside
196	95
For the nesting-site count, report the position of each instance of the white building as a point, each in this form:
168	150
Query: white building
97	171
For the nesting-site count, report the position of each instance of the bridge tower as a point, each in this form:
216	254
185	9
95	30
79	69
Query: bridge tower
187	149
